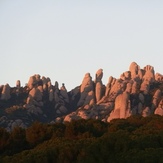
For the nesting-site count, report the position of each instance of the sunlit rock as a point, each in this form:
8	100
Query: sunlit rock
5	95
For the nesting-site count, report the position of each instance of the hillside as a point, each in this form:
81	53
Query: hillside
135	139
138	91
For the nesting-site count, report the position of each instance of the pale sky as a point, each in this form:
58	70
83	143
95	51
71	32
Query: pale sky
64	39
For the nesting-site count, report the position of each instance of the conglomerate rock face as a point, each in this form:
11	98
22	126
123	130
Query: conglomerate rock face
136	92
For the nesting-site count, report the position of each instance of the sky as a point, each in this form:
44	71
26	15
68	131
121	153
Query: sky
65	39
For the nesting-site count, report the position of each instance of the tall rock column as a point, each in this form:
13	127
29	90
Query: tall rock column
122	108
98	85
86	87
134	68
5	92
44	83
31	82
148	78
156	100
108	86
63	92
18	85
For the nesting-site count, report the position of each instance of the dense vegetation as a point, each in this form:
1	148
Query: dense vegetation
135	140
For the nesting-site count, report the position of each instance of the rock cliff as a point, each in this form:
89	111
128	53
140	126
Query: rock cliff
138	91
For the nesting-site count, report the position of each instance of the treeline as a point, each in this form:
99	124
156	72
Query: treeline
135	140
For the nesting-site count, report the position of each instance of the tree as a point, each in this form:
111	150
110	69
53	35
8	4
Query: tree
36	134
18	140
4	139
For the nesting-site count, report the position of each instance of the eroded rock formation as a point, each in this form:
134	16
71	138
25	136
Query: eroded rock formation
136	92
5	95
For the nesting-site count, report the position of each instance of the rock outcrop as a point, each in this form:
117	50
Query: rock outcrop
136	92
34	101
87	96
5	95
122	108
99	85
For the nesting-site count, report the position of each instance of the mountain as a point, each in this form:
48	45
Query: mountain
137	92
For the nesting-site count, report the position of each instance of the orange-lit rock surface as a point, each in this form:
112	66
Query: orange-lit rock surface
137	91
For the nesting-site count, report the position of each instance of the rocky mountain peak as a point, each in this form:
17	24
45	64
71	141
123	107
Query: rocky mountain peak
136	92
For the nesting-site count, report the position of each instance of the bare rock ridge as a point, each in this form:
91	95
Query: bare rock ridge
136	92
